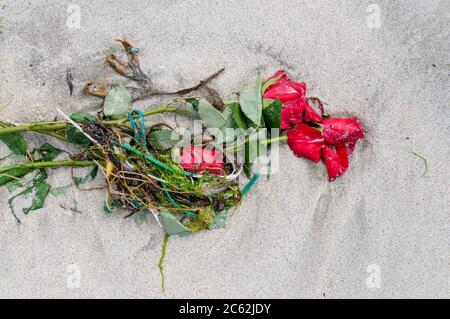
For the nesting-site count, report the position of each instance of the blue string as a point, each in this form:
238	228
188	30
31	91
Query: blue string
138	126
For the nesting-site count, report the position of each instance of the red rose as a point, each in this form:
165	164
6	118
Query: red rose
198	160
306	141
342	130
310	115
336	163
291	113
293	97
284	89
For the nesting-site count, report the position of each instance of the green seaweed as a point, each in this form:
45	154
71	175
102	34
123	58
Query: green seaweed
202	221
161	261
39	190
423	158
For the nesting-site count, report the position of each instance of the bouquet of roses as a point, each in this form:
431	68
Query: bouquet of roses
188	181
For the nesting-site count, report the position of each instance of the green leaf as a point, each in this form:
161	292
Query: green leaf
40	194
251	103
239	117
12	174
272	114
228	113
163	139
219	221
227	135
269	83
49	152
210	116
60	191
118	102
21	182
39	190
172	226
253	150
15	142
40	177
73	135
91	176
82	117
194	103
188	110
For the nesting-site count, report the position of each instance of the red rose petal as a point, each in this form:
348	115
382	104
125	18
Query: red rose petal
198	160
306	142
333	163
279	73
342	152
291	113
292	95
342	130
310	115
351	147
300	87
285	89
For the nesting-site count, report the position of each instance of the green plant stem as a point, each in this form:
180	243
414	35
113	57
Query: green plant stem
41	127
37	165
162	109
50	127
282	138
264	142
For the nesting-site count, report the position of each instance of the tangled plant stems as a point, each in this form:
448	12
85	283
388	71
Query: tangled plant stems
187	180
50	164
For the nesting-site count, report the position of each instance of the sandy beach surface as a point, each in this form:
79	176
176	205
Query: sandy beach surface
381	230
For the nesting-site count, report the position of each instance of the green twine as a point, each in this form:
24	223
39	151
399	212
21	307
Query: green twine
174	202
251	183
148	157
161	260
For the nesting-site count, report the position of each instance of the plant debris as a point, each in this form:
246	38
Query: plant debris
69	81
423	158
188	179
